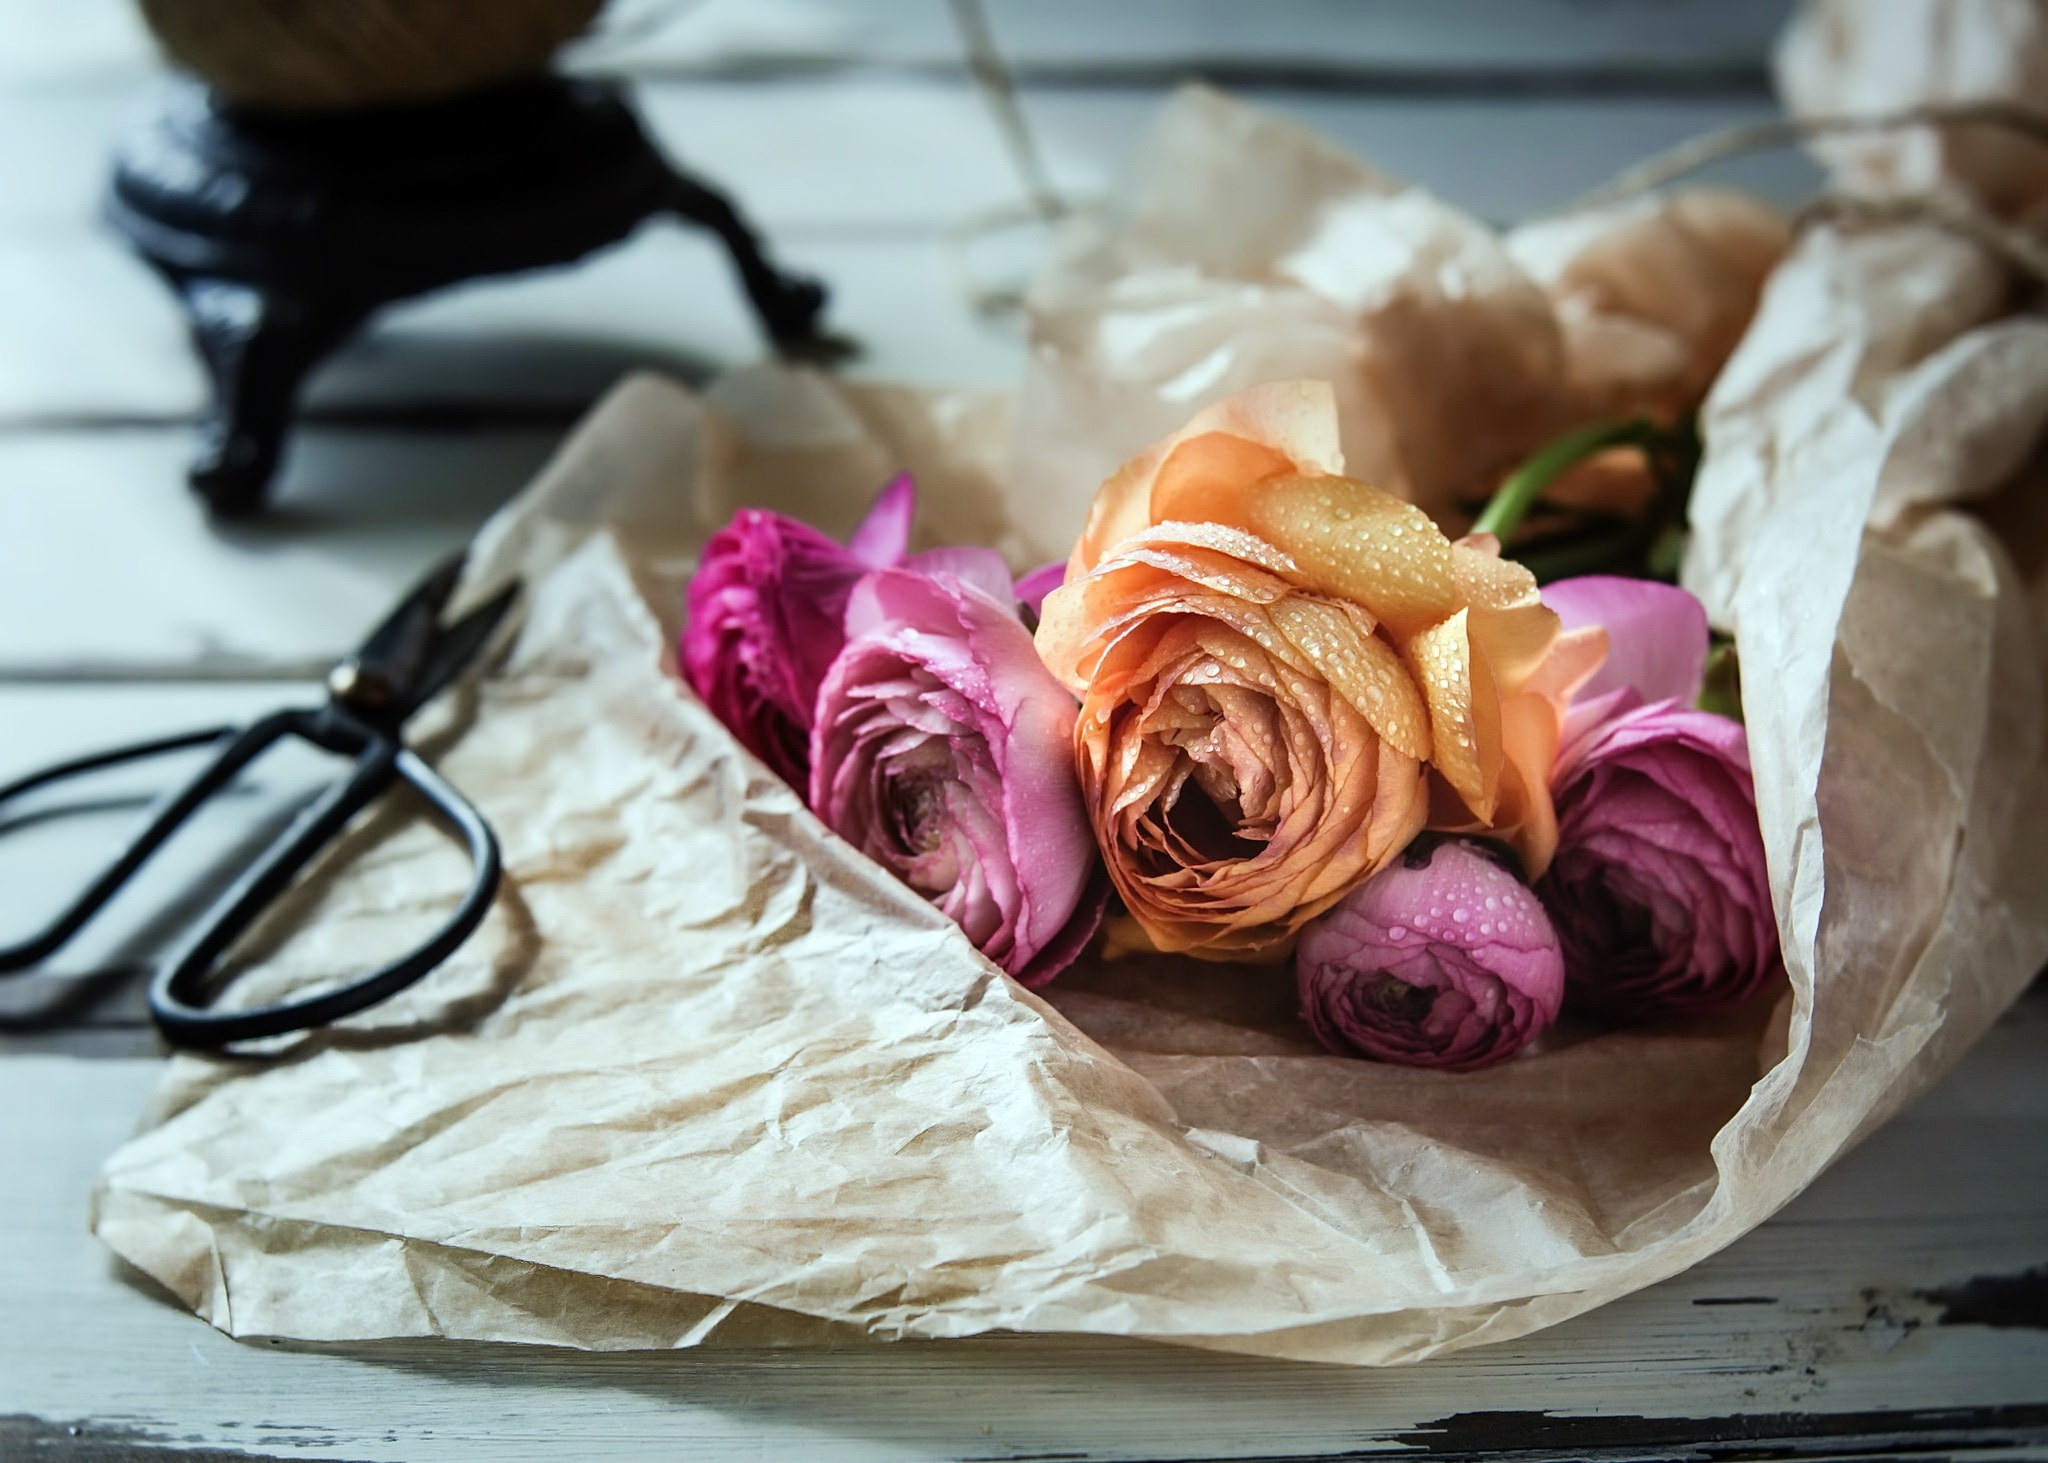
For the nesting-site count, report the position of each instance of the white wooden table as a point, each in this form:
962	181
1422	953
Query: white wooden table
1901	1306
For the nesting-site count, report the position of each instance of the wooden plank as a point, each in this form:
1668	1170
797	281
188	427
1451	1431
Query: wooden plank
823	154
1504	160
84	38
1486	36
1083	39
360	515
94	341
1825	1324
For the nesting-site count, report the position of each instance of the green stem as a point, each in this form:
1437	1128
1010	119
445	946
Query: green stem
1614	552
1721	690
1526	483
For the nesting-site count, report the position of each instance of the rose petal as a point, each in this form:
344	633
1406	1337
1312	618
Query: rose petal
1365	670
1032	589
883	536
1297	419
982	568
1656	634
1360	543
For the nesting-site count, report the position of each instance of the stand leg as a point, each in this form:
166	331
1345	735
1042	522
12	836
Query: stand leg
788	305
258	345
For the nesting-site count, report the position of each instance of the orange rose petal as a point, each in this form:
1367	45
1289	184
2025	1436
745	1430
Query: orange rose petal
1509	621
1215	538
1122	507
1143	640
1524	815
1444	665
1402	808
1065	629
1145	777
1205	479
1298	419
1083	617
1303	768
1211	568
1487	581
1574	657
1357	542
1529	732
1365	670
1486	703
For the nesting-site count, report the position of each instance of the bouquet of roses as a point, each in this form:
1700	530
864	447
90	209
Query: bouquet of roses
1271	710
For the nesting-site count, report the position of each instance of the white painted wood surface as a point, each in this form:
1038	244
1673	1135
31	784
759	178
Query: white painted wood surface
851	130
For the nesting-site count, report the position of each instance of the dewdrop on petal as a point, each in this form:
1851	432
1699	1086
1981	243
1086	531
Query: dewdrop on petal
1444	959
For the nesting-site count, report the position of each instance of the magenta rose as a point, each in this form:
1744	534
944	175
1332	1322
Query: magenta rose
765	615
1659	890
1442	959
767	612
944	750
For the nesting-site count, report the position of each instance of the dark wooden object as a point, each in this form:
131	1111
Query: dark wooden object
282	234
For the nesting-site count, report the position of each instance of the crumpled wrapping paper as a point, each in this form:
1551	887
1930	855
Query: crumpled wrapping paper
706	1075
1240	247
1850	58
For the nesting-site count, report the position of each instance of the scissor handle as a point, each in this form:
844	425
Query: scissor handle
175	998
162	820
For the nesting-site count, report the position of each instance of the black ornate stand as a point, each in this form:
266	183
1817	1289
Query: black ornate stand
282	234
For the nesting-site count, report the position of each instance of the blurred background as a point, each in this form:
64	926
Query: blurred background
867	140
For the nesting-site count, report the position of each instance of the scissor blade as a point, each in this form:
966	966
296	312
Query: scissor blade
398	649
454	648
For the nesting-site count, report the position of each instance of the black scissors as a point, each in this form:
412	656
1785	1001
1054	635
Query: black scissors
406	661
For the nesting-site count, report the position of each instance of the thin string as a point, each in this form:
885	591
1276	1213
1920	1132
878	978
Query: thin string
999	90
1043	204
2024	251
2020	248
1730	142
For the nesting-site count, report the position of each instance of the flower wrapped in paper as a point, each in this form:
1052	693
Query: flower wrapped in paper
709	1073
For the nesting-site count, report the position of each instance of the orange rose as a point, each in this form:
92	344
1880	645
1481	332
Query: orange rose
1285	674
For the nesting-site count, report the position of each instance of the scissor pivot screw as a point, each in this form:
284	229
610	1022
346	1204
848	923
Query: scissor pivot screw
355	684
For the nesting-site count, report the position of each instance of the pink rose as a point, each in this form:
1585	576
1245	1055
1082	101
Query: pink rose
1656	637
1442	959
1659	890
943	750
766	609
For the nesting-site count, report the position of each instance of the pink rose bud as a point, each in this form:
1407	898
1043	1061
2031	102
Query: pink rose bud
1659	889
944	751
766	609
1442	959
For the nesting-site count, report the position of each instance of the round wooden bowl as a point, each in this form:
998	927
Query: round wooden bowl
334	55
